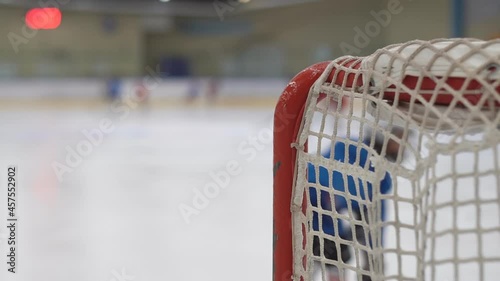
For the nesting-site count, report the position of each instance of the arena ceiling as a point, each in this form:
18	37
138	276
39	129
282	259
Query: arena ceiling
156	7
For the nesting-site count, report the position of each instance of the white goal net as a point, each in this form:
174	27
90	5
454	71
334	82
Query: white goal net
397	167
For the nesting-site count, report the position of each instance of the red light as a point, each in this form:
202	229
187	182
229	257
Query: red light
43	18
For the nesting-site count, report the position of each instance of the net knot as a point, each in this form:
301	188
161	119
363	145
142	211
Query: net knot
297	146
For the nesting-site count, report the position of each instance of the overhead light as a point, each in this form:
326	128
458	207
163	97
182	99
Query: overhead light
244	1
43	18
164	1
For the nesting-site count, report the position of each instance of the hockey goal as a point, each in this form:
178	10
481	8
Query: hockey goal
386	167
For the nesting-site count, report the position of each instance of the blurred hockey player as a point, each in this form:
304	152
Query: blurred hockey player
212	90
352	154
193	91
113	89
141	94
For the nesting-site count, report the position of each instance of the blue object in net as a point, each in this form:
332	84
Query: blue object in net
338	183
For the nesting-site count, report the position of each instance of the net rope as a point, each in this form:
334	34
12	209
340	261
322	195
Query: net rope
403	176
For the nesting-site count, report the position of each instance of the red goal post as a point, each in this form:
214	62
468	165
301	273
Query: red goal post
425	87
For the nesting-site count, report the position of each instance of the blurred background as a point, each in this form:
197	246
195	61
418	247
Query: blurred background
142	129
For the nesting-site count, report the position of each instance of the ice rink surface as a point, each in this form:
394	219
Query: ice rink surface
116	216
116	213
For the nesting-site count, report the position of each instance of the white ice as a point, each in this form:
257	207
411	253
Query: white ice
116	215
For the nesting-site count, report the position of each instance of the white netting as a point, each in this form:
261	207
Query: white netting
395	150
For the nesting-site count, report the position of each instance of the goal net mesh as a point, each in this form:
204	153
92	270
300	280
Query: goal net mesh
397	171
